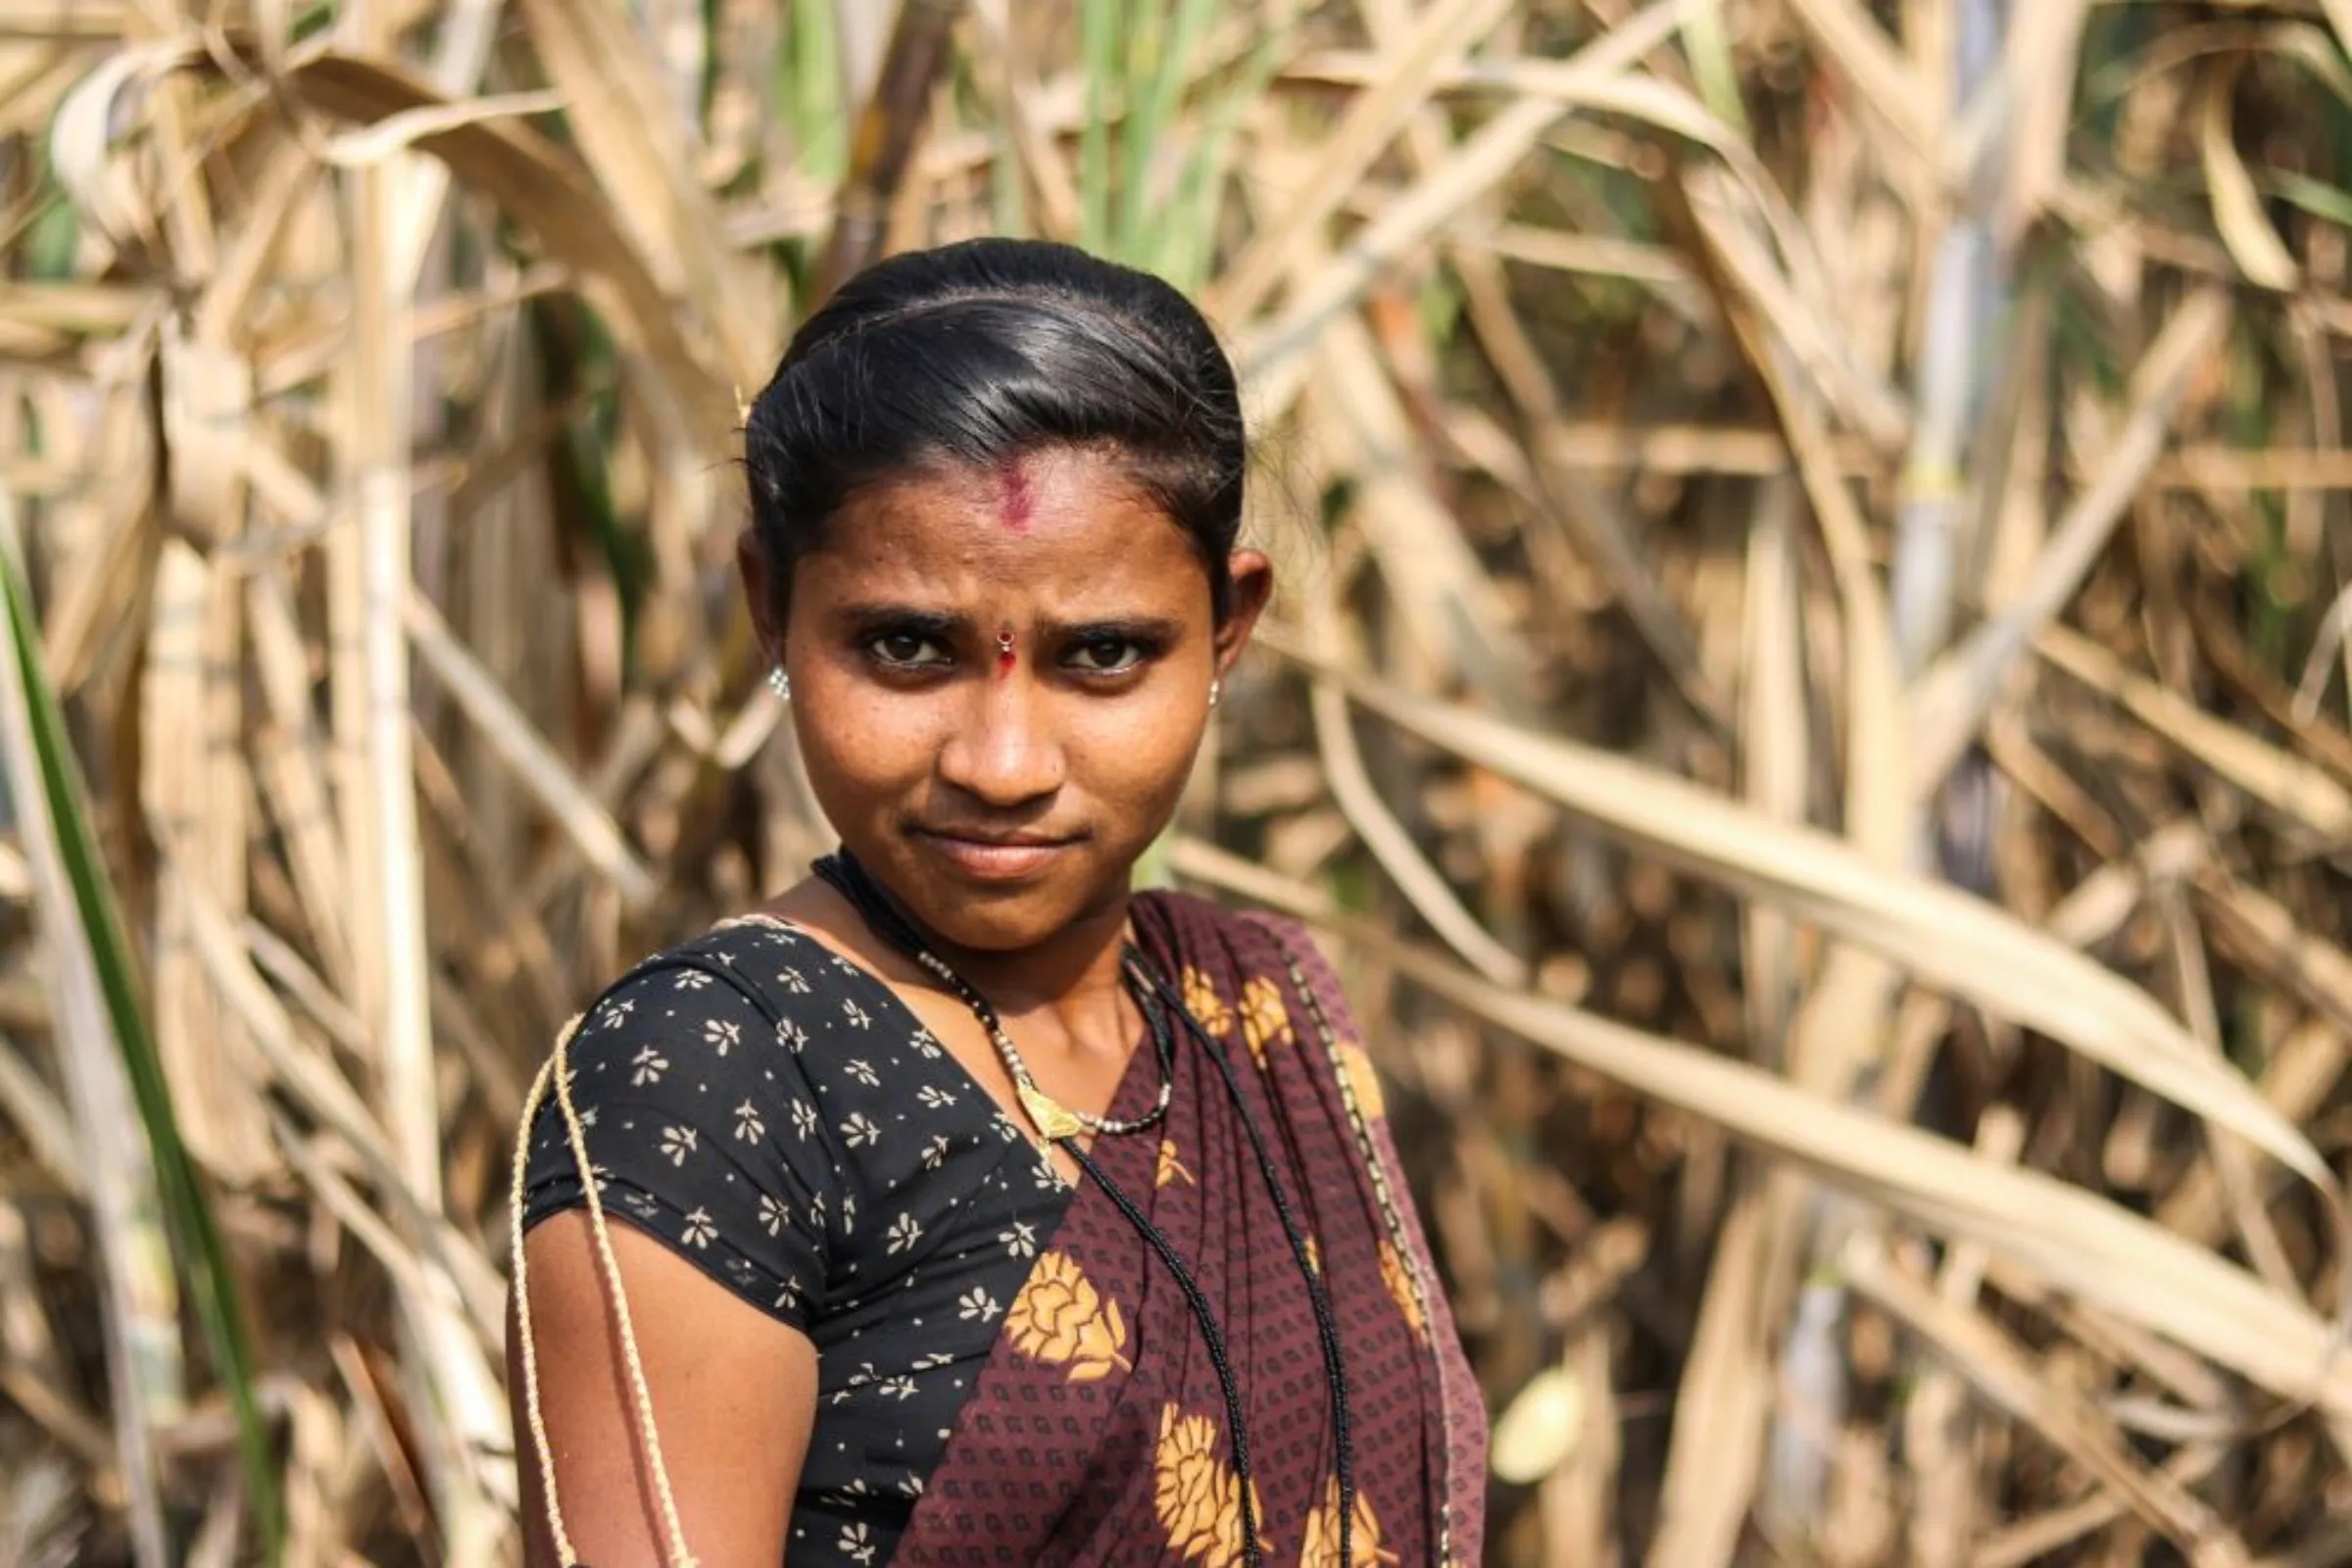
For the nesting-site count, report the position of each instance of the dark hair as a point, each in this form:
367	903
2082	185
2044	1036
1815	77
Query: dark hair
978	353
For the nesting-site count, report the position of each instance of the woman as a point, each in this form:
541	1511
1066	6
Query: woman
960	1206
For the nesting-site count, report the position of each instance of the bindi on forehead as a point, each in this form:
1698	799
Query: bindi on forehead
1016	500
1005	659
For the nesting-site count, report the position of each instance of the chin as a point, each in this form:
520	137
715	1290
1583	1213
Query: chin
996	910
979	930
996	920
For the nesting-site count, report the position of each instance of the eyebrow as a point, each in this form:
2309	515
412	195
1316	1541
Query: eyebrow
907	618
1136	628
952	623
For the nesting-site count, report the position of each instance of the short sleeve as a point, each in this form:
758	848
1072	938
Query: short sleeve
701	1131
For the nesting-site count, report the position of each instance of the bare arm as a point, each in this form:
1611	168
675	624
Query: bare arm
734	1396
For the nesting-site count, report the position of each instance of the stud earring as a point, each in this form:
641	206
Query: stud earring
780	683
1216	689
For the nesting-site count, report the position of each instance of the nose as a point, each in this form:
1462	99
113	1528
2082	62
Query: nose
1006	753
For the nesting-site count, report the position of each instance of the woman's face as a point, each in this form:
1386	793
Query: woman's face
999	680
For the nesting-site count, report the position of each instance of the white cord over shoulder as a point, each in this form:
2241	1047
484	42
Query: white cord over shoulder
675	1545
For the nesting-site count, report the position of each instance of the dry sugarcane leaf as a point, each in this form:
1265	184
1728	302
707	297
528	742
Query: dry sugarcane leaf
314	1083
1580	1499
1602	533
1441	34
1019	103
102	541
522	172
200	825
1777	763
633	139
2240	1183
2044	47
2339	17
1844	1013
2236	205
2305	796
1937	1428
2074	1242
533	762
1869	63
292	769
464	32
2267	937
65	21
2297	1078
2039	1539
82	148
1807	329
1949	700
1447	599
1440	586
532	183
34	78
1877	810
72	309
1713	1467
2003	1374
369	674
395	134
1391	845
1716	1474
1941	935
35	1113
1272	356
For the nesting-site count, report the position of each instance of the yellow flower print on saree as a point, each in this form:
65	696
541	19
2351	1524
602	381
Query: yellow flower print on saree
1195	1495
1061	1319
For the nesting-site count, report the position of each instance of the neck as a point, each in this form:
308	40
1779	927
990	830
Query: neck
1076	973
1069	972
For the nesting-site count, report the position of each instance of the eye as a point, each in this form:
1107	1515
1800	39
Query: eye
1107	656
907	650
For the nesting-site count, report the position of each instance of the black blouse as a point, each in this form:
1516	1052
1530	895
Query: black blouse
777	1116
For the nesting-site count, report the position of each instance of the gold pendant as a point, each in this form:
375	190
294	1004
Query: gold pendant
1053	1122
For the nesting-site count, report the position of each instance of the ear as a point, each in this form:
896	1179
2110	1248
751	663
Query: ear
761	585
1252	578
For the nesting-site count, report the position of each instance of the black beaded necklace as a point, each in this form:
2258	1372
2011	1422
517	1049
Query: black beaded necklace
1158	1002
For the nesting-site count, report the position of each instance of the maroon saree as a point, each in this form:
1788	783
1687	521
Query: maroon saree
1095	1435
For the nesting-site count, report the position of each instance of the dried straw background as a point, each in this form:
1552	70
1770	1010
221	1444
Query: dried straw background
1811	700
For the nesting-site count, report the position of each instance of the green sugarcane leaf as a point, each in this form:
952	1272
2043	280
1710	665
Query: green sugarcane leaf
187	1211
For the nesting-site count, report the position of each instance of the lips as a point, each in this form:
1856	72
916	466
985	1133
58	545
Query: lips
994	856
